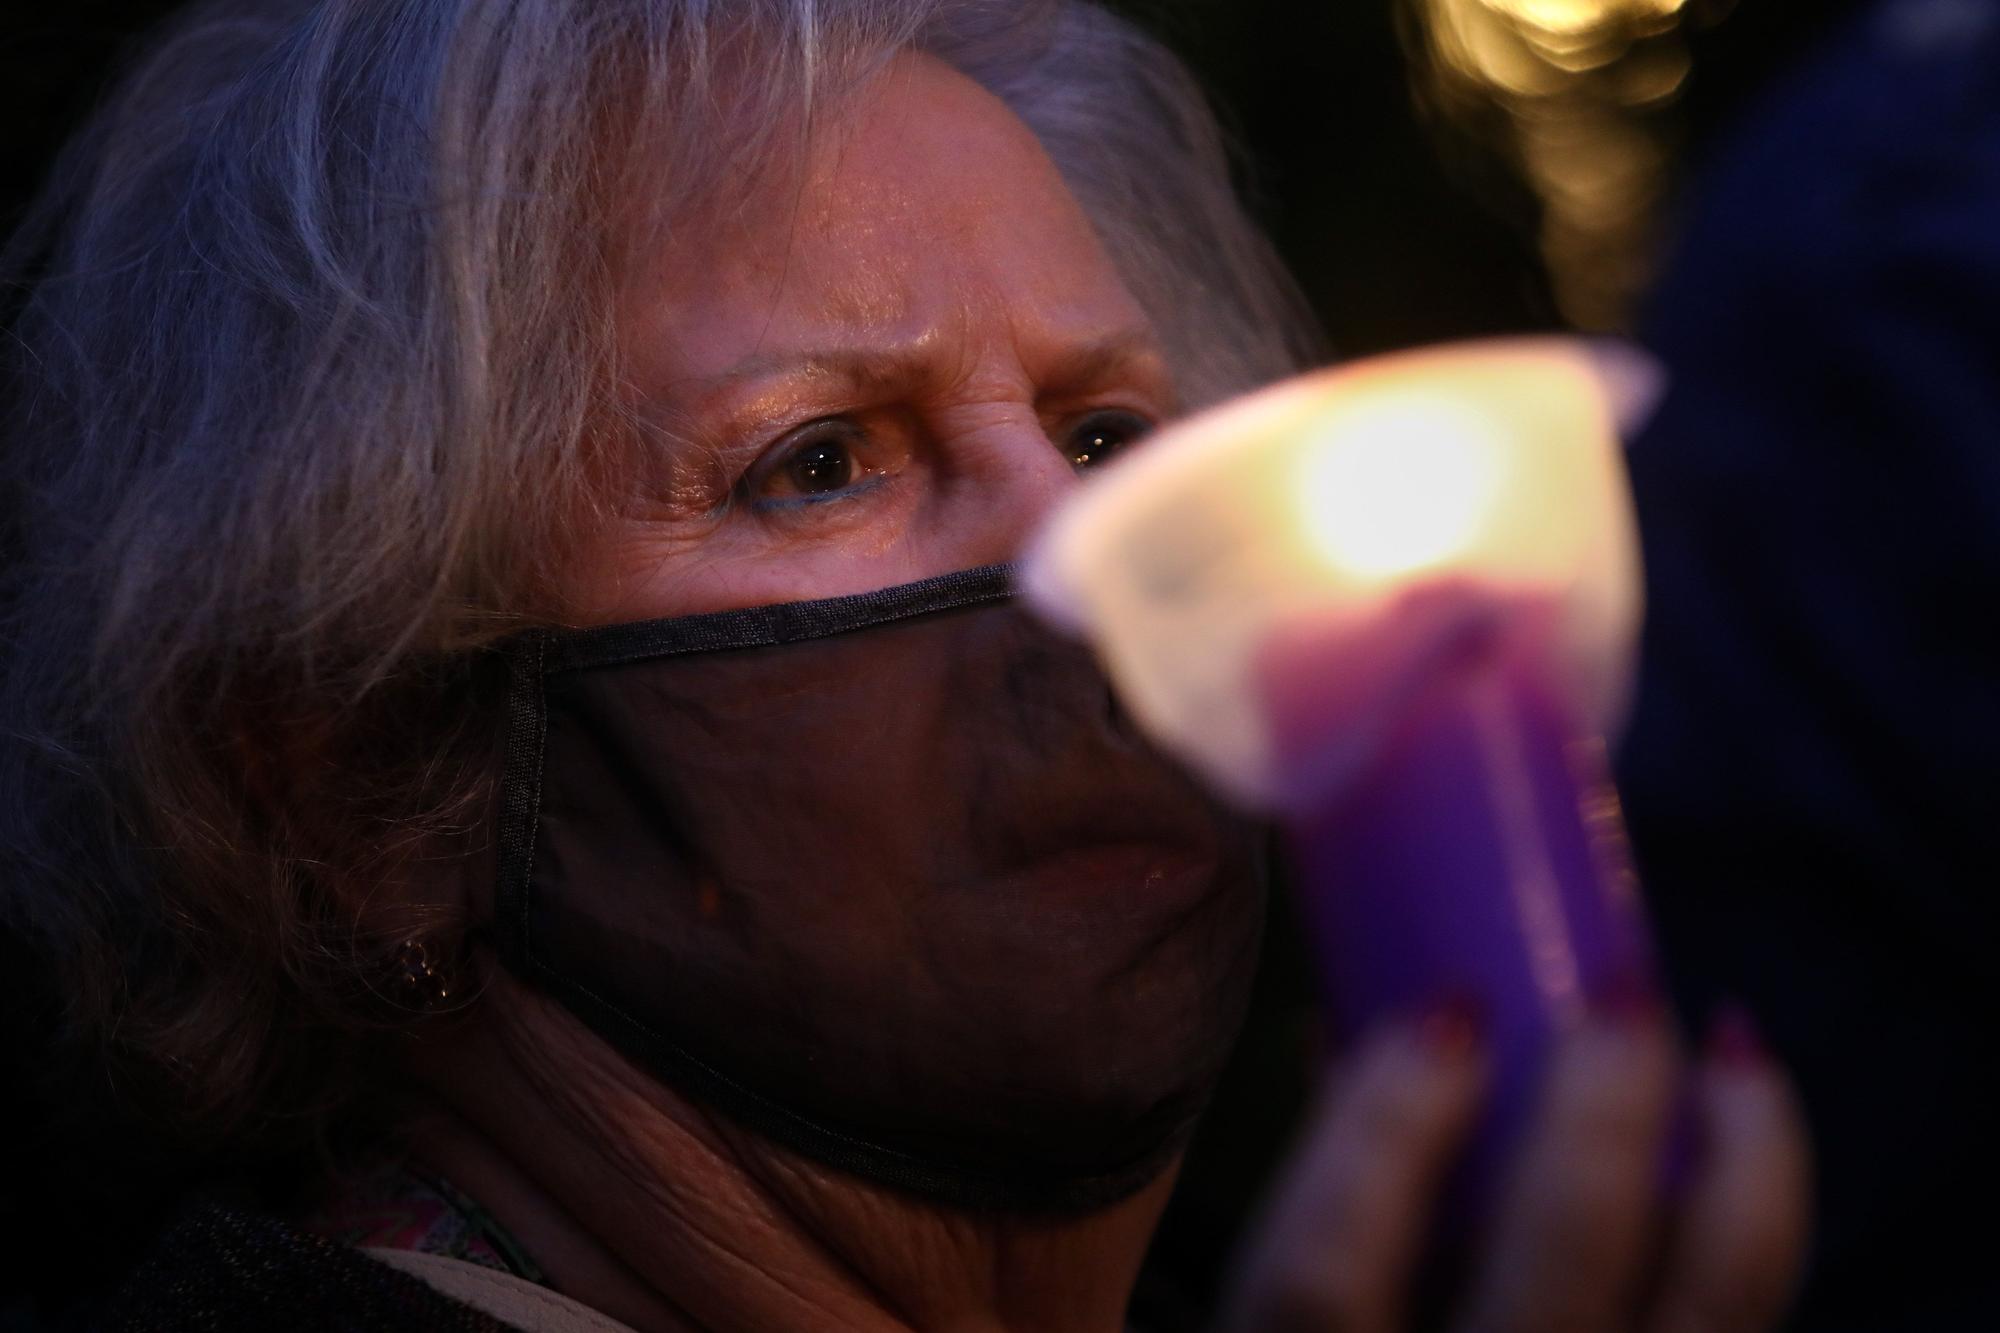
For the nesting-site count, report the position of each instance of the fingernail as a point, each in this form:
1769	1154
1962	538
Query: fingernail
1629	998
1450	1028
1734	1041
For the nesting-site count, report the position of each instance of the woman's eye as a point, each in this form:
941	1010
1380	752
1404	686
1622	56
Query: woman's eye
1102	434
820	467
820	462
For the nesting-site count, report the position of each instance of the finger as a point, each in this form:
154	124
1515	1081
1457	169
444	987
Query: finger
1741	1237
1336	1246
1573	1229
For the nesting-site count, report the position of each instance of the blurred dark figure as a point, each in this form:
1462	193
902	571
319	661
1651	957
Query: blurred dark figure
1813	773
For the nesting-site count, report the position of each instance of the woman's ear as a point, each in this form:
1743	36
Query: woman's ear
392	860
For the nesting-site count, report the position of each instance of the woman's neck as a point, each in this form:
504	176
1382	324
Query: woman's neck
639	1203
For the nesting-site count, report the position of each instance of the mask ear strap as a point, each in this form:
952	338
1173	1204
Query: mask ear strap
519	817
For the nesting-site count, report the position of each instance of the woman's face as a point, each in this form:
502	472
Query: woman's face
881	373
929	866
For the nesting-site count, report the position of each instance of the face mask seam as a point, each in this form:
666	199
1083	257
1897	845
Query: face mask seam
976	1186
771	626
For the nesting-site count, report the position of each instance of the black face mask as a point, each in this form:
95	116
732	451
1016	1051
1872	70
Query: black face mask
887	879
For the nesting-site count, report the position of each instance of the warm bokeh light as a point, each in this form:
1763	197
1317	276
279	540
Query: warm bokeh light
1582	85
1578	17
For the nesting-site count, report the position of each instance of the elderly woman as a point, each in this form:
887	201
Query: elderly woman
512	700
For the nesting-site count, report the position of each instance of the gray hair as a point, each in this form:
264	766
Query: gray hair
308	387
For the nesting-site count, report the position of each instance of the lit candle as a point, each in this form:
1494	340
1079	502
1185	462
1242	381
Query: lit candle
1394	605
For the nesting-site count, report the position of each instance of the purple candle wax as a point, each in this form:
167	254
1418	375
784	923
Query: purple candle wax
1479	855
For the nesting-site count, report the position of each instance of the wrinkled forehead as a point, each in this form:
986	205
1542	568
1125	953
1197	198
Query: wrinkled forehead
916	205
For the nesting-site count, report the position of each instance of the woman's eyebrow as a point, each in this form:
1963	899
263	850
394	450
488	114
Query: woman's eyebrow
880	371
1105	359
860	369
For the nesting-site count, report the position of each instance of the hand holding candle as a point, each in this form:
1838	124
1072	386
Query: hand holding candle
1395	605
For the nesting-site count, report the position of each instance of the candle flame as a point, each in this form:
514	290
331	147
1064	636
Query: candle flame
1399	486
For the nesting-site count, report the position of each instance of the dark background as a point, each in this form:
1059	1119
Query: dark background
1400	229
1399	234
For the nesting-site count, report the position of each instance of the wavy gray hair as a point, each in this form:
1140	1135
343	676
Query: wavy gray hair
309	373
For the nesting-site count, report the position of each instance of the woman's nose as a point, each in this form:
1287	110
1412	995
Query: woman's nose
1027	476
